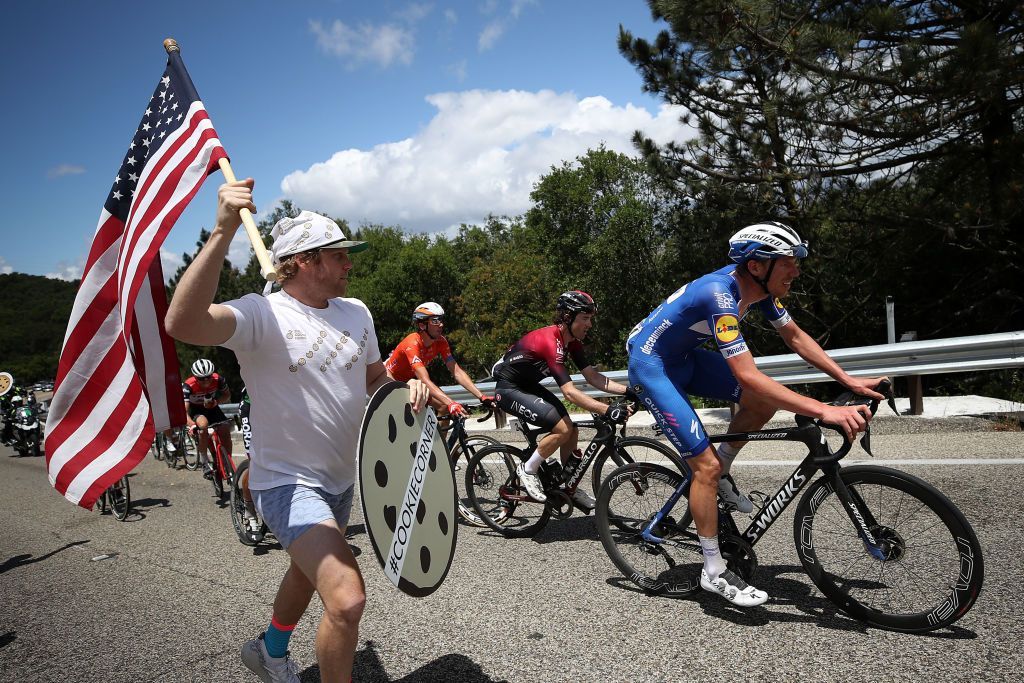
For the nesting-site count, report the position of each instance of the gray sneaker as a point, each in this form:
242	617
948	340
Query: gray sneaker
269	669
584	500
534	487
728	491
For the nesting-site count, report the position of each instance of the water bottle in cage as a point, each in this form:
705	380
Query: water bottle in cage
551	470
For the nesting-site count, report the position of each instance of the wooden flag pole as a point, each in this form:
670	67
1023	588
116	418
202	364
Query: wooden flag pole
251	230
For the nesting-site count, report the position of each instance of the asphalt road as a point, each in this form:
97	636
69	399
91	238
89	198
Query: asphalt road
177	593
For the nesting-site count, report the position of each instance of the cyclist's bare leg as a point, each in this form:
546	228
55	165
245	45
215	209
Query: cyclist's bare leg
704	491
752	415
562	433
224	432
565	450
202	438
246	494
323	561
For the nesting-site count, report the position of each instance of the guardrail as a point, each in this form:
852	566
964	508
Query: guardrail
928	357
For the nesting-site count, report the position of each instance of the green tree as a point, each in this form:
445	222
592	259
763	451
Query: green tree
36	310
888	133
600	224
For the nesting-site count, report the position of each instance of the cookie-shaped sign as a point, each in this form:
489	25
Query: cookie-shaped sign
6	382
407	489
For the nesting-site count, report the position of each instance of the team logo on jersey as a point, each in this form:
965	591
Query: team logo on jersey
725	300
727	328
778	304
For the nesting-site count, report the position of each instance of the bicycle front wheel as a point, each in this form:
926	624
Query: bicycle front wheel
926	571
120	498
631	496
188	449
499	498
460	463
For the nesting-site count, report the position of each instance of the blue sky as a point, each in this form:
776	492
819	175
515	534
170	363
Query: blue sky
419	114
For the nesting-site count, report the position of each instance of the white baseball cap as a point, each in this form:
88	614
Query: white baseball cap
308	231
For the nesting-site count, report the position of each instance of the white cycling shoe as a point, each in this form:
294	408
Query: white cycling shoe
730	493
733	588
532	483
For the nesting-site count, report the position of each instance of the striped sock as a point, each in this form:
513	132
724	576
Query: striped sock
276	638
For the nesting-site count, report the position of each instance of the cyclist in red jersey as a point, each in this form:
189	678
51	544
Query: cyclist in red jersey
414	353
540	354
203	391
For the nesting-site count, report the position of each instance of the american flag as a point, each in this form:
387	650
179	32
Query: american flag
117	381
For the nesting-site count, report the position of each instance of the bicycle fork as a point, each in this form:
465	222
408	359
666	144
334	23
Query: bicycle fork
648	532
859	514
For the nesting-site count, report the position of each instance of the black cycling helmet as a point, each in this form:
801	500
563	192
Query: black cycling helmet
576	301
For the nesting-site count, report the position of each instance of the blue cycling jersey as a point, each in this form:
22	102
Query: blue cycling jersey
666	366
705	308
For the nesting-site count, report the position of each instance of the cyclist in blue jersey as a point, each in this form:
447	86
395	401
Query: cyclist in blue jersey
667	363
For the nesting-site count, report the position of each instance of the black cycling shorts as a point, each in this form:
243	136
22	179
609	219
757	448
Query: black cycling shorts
538	406
214	414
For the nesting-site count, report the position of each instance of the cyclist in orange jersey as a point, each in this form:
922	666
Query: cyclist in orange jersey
414	353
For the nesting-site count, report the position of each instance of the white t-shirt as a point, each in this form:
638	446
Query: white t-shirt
305	369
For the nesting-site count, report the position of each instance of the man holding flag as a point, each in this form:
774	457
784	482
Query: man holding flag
308	357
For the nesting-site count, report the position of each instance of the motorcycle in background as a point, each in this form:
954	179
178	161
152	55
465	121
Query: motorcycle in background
27	429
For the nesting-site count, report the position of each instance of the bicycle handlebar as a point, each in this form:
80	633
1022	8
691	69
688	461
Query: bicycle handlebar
848	398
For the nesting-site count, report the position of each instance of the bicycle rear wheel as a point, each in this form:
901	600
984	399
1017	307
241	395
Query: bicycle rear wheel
499	498
237	505
158	447
930	569
628	500
120	498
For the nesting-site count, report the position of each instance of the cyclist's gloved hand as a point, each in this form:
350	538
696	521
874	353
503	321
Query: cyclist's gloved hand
487	400
617	413
631	396
455	409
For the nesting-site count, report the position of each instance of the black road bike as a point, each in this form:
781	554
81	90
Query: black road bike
117	499
886	547
184	448
500	498
461	449
253	532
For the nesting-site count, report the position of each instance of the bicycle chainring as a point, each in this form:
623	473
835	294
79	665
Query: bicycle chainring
560	502
739	556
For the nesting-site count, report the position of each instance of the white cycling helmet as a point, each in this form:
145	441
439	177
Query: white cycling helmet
770	240
427	310
202	368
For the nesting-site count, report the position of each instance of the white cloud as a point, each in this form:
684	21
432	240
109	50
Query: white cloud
481	154
495	28
451	16
5	269
415	13
62	170
383	45
459	70
68	271
490	35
